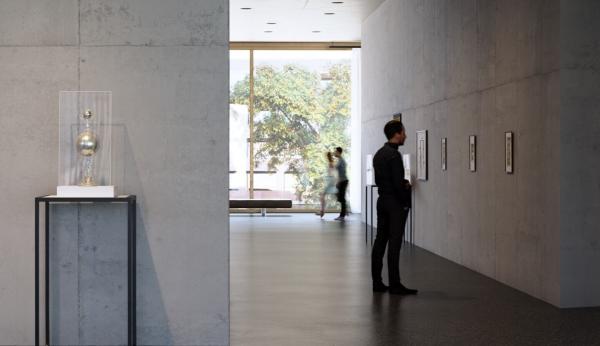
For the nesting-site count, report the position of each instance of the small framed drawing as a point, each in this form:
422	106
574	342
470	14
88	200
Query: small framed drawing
422	155
472	153
508	152
444	154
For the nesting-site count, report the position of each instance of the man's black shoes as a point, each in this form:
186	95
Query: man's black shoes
380	287
399	290
403	291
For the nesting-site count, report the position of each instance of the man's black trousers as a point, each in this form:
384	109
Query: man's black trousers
341	196
391	221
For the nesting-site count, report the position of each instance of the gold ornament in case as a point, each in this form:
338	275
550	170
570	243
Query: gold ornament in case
87	145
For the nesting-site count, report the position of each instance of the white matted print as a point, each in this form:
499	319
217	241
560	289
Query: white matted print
369	170
508	152
406	161
422	155
472	153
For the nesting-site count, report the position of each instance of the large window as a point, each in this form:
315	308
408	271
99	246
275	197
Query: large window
287	109
239	134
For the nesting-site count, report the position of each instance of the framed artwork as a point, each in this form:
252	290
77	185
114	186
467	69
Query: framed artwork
508	152
472	153
422	155
444	154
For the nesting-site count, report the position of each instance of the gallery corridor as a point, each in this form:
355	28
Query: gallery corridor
299	280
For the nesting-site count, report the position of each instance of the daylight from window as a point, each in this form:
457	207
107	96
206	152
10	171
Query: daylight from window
301	110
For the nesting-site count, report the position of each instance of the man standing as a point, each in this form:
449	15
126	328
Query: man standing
342	184
393	205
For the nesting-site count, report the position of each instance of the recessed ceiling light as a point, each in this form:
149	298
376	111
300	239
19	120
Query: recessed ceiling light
246	8
329	13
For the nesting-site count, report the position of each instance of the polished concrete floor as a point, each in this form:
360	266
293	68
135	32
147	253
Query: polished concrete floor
299	280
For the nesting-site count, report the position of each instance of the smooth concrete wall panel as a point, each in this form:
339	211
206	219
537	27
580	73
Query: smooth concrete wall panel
486	43
30	79
580	203
102	274
551	29
65	269
461	52
88	251
491	146
168	71
171	110
517	39
551	198
39	23
153	23
460	68
517	35
579	38
580	153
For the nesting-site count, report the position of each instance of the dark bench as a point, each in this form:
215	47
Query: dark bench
261	204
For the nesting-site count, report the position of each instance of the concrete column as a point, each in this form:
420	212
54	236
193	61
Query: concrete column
166	63
580	153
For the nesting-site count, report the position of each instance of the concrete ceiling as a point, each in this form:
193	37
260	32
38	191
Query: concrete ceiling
297	19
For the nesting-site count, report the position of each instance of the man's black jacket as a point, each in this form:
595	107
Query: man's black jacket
389	174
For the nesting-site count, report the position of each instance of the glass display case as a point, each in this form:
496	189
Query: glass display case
84	155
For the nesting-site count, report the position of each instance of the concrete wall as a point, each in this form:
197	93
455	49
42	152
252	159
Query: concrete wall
167	66
580	153
476	67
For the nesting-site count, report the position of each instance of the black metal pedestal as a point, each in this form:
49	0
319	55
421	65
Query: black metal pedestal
131	260
369	211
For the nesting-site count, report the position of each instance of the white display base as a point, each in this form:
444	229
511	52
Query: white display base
85	191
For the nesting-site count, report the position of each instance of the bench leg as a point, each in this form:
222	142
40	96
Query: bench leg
263	211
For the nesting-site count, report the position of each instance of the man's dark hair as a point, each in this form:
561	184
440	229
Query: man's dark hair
339	149
392	127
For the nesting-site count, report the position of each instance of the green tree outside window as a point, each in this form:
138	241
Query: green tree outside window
299	116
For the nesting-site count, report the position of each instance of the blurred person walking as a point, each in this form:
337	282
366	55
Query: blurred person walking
329	182
342	183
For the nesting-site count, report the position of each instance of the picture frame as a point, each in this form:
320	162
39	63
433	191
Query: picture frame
473	153
422	155
444	154
508	152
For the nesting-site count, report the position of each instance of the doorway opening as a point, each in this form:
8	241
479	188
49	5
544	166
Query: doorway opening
288	108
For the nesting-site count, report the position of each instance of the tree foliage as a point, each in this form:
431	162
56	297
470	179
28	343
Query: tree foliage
298	118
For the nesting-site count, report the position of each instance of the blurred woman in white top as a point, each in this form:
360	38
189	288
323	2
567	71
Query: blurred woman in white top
330	181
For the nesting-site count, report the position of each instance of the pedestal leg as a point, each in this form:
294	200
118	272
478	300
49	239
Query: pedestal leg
371	215
366	213
131	272
47	269
37	272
